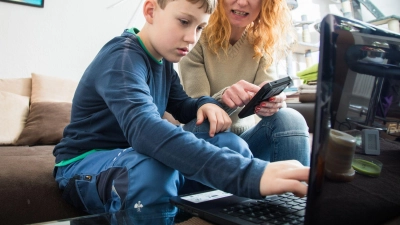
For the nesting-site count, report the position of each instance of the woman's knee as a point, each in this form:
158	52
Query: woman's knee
288	118
290	113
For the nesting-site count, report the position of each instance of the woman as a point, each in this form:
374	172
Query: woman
233	58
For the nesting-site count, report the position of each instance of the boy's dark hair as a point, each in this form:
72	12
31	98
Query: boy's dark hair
208	5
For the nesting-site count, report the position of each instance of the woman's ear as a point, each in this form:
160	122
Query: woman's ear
149	7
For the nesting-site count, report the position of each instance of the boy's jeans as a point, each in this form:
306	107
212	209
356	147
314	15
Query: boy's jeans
123	179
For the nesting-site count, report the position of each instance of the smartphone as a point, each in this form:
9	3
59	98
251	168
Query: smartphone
268	90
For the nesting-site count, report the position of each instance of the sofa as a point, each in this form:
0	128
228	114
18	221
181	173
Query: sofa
33	114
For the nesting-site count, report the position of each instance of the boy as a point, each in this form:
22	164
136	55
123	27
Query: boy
118	153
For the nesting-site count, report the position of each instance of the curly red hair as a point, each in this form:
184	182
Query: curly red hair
274	19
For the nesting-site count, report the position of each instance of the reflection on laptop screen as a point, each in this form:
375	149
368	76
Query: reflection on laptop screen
357	91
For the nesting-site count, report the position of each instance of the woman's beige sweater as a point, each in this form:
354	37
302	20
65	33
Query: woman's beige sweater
204	73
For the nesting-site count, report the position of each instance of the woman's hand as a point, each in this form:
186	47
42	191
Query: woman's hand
285	176
271	106
239	94
218	118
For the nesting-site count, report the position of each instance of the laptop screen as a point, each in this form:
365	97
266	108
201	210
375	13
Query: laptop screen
357	92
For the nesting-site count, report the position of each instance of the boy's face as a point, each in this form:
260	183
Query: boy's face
175	29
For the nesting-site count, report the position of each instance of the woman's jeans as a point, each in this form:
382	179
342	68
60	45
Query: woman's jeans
282	136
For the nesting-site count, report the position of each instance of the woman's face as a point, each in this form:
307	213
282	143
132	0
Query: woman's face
242	12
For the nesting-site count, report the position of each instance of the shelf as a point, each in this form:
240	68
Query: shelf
303	47
301	23
384	20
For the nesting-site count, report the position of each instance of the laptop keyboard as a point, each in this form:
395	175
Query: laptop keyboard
277	209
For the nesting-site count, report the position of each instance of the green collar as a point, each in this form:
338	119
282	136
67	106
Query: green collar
135	31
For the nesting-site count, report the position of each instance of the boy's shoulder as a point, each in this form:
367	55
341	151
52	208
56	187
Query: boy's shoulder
126	40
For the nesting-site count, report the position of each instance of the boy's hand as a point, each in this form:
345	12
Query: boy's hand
239	94
218	118
284	176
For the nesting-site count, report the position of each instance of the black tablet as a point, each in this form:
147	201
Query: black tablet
268	90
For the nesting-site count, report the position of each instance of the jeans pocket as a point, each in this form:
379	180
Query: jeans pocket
81	192
70	193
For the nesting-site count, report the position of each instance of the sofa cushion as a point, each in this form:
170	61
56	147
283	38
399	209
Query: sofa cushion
19	86
13	113
52	89
29	193
45	124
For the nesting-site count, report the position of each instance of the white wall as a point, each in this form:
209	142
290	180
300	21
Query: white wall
62	38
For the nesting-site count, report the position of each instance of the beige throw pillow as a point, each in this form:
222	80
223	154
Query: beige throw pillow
19	86
52	89
13	113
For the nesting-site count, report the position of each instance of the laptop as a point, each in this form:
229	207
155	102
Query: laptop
355	61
